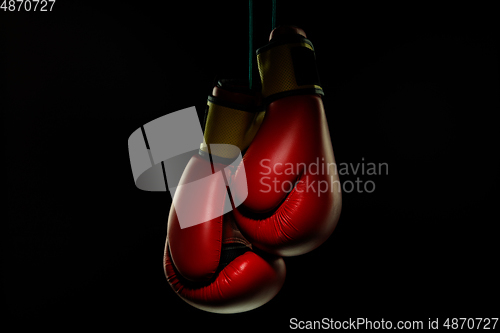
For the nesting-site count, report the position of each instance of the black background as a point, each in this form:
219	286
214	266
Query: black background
412	86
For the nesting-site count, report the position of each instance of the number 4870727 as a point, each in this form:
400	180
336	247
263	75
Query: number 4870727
27	5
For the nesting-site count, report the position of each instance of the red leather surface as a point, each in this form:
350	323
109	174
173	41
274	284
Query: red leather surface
196	250
286	30
234	97
246	283
294	131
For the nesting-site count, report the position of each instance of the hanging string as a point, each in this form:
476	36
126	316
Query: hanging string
250	43
250	36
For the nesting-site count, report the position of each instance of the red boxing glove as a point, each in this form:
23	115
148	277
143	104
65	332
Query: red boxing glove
294	194
207	261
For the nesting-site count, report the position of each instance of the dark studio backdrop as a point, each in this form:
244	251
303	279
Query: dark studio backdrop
415	87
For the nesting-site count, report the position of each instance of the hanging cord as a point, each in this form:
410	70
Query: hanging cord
250	36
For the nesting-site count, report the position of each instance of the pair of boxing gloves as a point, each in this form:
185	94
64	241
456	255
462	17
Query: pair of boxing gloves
266	182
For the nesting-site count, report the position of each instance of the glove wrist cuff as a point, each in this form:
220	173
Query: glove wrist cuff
232	120
287	66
